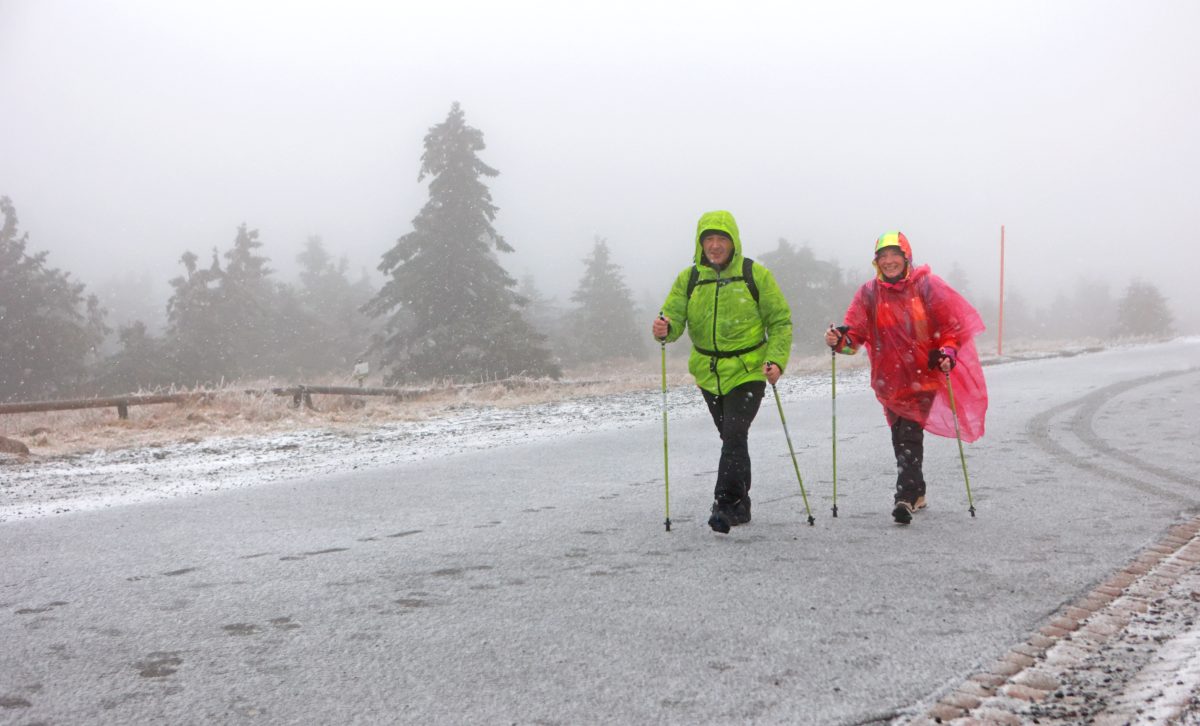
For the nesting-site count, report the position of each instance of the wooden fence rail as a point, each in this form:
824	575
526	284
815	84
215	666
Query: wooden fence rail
122	403
300	394
303	394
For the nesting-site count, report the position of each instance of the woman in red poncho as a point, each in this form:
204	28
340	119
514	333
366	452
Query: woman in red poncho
917	330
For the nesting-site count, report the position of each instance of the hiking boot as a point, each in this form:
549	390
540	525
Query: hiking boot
721	519
921	504
740	512
903	512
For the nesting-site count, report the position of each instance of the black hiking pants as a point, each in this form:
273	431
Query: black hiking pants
733	413
908	441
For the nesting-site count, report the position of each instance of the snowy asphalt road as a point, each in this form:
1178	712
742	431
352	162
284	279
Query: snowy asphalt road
534	583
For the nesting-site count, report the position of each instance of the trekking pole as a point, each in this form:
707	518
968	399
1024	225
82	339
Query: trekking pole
841	330
666	469
833	386
796	466
962	457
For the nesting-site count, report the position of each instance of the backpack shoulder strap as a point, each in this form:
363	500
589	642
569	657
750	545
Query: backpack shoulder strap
692	280
748	277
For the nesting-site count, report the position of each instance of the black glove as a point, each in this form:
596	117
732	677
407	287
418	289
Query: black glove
937	355
842	331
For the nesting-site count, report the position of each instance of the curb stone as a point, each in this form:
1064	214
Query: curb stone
1037	681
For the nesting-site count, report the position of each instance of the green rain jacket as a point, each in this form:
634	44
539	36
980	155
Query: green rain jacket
722	318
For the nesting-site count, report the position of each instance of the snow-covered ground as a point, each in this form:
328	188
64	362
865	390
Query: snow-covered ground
110	477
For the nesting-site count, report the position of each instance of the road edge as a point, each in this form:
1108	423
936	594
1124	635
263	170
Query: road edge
1031	672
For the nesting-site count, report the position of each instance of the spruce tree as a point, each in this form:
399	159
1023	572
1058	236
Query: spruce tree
235	322
816	290
542	312
1143	311
141	363
48	329
197	339
330	302
547	317
603	321
452	310
248	308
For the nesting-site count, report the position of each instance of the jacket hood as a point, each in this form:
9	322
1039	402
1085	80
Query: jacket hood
893	239
723	221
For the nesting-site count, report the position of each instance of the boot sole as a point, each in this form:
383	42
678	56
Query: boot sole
902	515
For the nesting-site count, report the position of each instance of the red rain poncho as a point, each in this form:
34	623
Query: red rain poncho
899	323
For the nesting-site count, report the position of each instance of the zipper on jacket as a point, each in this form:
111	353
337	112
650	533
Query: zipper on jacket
712	362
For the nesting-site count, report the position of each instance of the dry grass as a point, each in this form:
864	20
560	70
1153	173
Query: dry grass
233	412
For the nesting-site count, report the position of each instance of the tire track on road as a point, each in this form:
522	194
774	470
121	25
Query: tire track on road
1083	427
1085	659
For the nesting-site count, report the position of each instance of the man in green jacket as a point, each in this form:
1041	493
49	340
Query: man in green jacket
741	333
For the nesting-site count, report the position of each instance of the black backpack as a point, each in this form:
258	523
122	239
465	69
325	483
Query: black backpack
747	276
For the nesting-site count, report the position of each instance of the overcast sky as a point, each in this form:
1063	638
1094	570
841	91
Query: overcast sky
134	130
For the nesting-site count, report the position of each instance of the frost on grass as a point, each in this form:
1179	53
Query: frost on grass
233	412
90	459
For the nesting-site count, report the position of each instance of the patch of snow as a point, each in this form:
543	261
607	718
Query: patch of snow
1164	689
105	478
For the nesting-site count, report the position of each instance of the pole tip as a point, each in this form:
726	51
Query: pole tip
972	510
835	511
811	521
668	523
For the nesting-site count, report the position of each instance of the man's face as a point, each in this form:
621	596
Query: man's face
890	261
717	248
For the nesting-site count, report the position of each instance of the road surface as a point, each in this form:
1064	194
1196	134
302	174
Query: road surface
535	584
